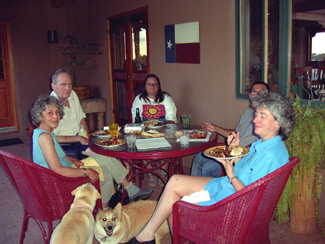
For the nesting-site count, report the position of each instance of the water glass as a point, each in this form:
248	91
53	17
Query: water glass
113	129
186	121
184	139
130	140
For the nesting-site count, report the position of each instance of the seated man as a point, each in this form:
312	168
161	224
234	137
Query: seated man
73	125
204	166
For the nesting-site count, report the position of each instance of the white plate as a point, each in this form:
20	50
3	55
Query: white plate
98	143
150	126
206	152
101	134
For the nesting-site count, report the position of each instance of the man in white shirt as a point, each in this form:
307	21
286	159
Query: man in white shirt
73	124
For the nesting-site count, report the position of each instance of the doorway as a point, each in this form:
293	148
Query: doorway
8	111
129	60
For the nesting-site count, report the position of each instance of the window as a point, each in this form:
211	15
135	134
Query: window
275	40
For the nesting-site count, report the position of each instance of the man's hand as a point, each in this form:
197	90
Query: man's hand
83	140
208	126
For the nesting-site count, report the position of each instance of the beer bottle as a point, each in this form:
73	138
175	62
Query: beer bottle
137	116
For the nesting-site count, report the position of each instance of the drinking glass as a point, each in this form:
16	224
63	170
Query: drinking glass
130	140
113	129
186	121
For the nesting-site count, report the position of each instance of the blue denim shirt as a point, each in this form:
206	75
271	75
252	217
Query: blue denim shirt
262	159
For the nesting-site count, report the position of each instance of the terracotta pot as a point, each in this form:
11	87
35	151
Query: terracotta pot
83	92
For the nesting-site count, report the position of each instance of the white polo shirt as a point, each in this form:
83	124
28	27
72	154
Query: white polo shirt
70	125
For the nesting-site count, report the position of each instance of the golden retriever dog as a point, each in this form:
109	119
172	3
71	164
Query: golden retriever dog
77	225
122	223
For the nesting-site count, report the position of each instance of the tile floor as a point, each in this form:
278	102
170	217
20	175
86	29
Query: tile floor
11	215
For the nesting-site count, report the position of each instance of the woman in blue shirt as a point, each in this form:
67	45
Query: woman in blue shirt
273	123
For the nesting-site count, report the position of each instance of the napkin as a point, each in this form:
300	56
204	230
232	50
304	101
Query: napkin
151	143
196	197
91	163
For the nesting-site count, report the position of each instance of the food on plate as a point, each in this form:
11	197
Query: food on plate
135	129
152	133
179	133
110	142
224	152
237	151
154	123
198	134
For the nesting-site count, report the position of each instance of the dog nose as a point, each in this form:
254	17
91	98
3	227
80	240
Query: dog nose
109	227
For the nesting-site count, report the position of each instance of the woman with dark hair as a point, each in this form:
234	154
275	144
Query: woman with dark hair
273	122
153	102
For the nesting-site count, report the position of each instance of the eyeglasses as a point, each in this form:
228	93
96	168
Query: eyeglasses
152	84
257	92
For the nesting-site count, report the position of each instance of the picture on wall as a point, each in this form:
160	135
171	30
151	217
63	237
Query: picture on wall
182	43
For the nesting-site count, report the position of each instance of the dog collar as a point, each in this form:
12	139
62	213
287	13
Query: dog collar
81	206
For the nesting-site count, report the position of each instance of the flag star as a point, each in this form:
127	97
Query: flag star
169	44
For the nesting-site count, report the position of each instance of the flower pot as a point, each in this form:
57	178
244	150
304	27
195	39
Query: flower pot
83	92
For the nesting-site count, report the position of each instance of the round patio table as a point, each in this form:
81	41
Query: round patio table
170	156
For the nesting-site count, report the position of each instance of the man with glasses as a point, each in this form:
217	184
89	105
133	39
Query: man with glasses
204	166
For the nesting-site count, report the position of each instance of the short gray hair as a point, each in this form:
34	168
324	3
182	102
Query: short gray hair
281	109
55	75
40	105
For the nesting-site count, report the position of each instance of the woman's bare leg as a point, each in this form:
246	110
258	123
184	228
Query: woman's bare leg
177	187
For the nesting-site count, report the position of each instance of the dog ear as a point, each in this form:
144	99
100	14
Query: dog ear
118	208
98	195
74	192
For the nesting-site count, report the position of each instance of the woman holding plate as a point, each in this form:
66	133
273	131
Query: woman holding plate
46	113
273	122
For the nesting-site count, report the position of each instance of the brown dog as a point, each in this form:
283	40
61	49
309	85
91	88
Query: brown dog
77	225
122	223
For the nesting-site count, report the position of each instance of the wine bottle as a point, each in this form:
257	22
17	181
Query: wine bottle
137	116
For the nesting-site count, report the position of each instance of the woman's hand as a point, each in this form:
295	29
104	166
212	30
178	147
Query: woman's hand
75	162
83	140
92	174
233	138
208	126
229	167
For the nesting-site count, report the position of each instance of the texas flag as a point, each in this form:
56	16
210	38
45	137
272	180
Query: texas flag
182	43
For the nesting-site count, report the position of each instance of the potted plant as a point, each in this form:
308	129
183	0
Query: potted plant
299	201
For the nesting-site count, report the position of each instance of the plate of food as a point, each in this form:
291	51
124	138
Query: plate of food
109	143
152	133
198	134
101	133
221	152
154	124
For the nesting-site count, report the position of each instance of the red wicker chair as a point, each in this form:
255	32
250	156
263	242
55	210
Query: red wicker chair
45	194
243	217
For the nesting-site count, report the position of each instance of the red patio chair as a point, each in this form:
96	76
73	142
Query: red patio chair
243	217
46	195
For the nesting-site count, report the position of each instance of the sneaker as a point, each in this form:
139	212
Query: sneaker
141	195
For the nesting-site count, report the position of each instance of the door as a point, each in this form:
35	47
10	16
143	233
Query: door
128	40
8	115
